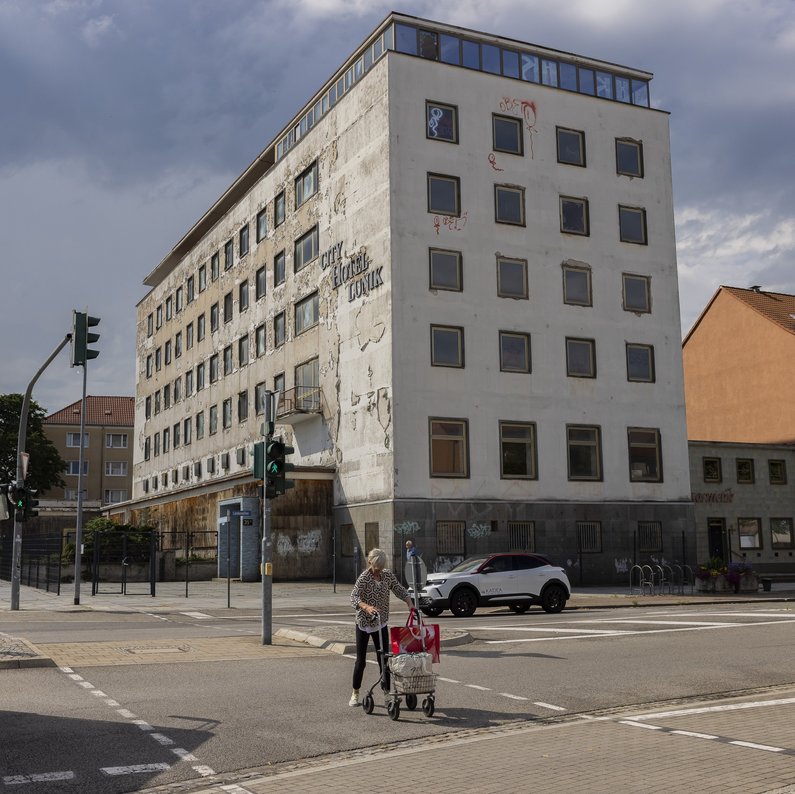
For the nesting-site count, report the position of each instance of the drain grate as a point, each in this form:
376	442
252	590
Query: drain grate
142	649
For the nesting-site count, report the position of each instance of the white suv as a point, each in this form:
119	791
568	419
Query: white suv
514	580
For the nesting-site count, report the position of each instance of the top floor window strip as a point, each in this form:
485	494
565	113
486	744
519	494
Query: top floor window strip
471	54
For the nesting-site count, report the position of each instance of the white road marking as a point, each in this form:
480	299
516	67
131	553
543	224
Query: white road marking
111	702
184	754
127	714
41	777
481	688
197	615
75	677
85	684
99	693
233	788
114	771
695	735
641	725
449	680
714	709
759	746
323	620
66	669
162	739
143	725
512	697
204	771
642	621
548	706
546	630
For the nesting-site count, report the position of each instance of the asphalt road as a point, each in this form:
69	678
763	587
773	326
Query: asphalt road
121	728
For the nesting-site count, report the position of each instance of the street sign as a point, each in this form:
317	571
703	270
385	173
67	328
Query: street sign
245	513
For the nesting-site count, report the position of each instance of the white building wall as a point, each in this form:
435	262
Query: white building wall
480	392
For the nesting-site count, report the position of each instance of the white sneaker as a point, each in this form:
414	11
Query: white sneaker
354	701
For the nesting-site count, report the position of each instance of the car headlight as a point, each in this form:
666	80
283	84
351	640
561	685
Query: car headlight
436	583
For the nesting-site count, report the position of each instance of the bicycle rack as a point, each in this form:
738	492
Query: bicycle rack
645	579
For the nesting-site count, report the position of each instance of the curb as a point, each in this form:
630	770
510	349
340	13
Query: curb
342	648
24	654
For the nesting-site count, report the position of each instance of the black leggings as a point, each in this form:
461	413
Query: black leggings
380	640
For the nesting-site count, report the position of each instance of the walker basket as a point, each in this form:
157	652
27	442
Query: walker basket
414	684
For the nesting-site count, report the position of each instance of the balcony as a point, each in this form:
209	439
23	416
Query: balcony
300	405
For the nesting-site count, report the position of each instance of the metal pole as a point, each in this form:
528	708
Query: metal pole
267	540
16	549
188	536
334	556
228	557
79	527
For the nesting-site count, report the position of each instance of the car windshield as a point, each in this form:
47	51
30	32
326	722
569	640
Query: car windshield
468	565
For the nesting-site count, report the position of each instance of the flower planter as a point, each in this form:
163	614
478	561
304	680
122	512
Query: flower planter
748	583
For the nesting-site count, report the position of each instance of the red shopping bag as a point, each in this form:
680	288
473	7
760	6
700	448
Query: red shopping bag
415	637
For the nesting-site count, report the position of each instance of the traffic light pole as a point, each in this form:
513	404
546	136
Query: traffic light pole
16	550
79	521
267	542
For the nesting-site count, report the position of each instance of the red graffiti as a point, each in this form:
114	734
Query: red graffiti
452	222
524	108
436	223
493	162
529	113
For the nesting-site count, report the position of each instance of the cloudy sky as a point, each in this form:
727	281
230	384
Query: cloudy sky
124	120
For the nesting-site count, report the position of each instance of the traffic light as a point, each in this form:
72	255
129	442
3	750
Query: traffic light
258	457
82	338
4	502
16	496
31	503
276	468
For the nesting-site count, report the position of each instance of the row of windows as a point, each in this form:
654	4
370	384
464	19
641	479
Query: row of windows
449	451
447	350
306	316
749	532
441	124
109	496
306	185
307	377
444	198
113	468
112	440
744	471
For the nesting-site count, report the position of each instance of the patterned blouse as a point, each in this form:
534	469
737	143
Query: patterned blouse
376	594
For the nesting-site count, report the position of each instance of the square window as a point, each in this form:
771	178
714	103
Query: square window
777	469
262	225
306	313
711	468
278	269
584	452
571	146
632	225
650	536
445	269
441	122
306	185
278	210
574	215
749	532
305	249
640	363
278	330
514	352
745	471
580	358
509	205
644	454
243	245
229	254
577	286
629	157
449	447
507	134
444	194
242	296
636	293
512	278
518	450
447	346
781	534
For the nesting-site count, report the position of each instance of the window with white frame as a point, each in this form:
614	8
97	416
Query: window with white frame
512	278
574	215
118	440
514	351
509	204
577	285
115	468
449	447
73	468
306	313
580	358
444	194
749	532
518	450
306	185
113	495
632	225
645	454
447	346
73	440
306	249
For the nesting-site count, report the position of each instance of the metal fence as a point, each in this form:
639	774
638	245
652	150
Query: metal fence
40	562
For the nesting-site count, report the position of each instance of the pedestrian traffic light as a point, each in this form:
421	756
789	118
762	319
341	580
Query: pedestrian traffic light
82	338
4	514
16	497
276	468
31	503
258	457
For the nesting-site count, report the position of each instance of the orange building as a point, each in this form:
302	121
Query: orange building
739	373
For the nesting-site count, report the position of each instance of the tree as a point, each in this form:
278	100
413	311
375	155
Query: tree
46	465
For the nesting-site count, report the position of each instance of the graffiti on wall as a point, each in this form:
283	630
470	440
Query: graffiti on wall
524	109
451	222
478	530
406	528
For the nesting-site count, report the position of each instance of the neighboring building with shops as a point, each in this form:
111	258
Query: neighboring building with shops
457	266
744	503
107	459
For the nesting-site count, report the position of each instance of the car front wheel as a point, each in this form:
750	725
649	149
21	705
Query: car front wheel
553	599
464	602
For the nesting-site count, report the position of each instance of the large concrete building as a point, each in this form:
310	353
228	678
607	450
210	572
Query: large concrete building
457	266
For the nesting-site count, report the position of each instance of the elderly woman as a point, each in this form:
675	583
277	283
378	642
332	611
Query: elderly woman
370	599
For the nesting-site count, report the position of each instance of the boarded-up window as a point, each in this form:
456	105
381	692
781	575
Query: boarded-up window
450	538
521	535
370	536
347	540
589	536
649	536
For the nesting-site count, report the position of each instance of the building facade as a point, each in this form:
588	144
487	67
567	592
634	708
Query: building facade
107	456
457	268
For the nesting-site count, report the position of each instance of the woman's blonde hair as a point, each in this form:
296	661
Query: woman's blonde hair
377	559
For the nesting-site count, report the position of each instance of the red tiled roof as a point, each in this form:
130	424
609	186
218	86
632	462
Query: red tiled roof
776	306
108	411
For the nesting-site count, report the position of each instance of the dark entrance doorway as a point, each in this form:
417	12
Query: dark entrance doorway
716	538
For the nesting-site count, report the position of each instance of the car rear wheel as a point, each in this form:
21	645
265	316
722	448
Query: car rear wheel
553	599
431	612
519	609
464	602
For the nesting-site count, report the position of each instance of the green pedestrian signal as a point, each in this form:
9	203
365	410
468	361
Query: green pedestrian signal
276	468
82	338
